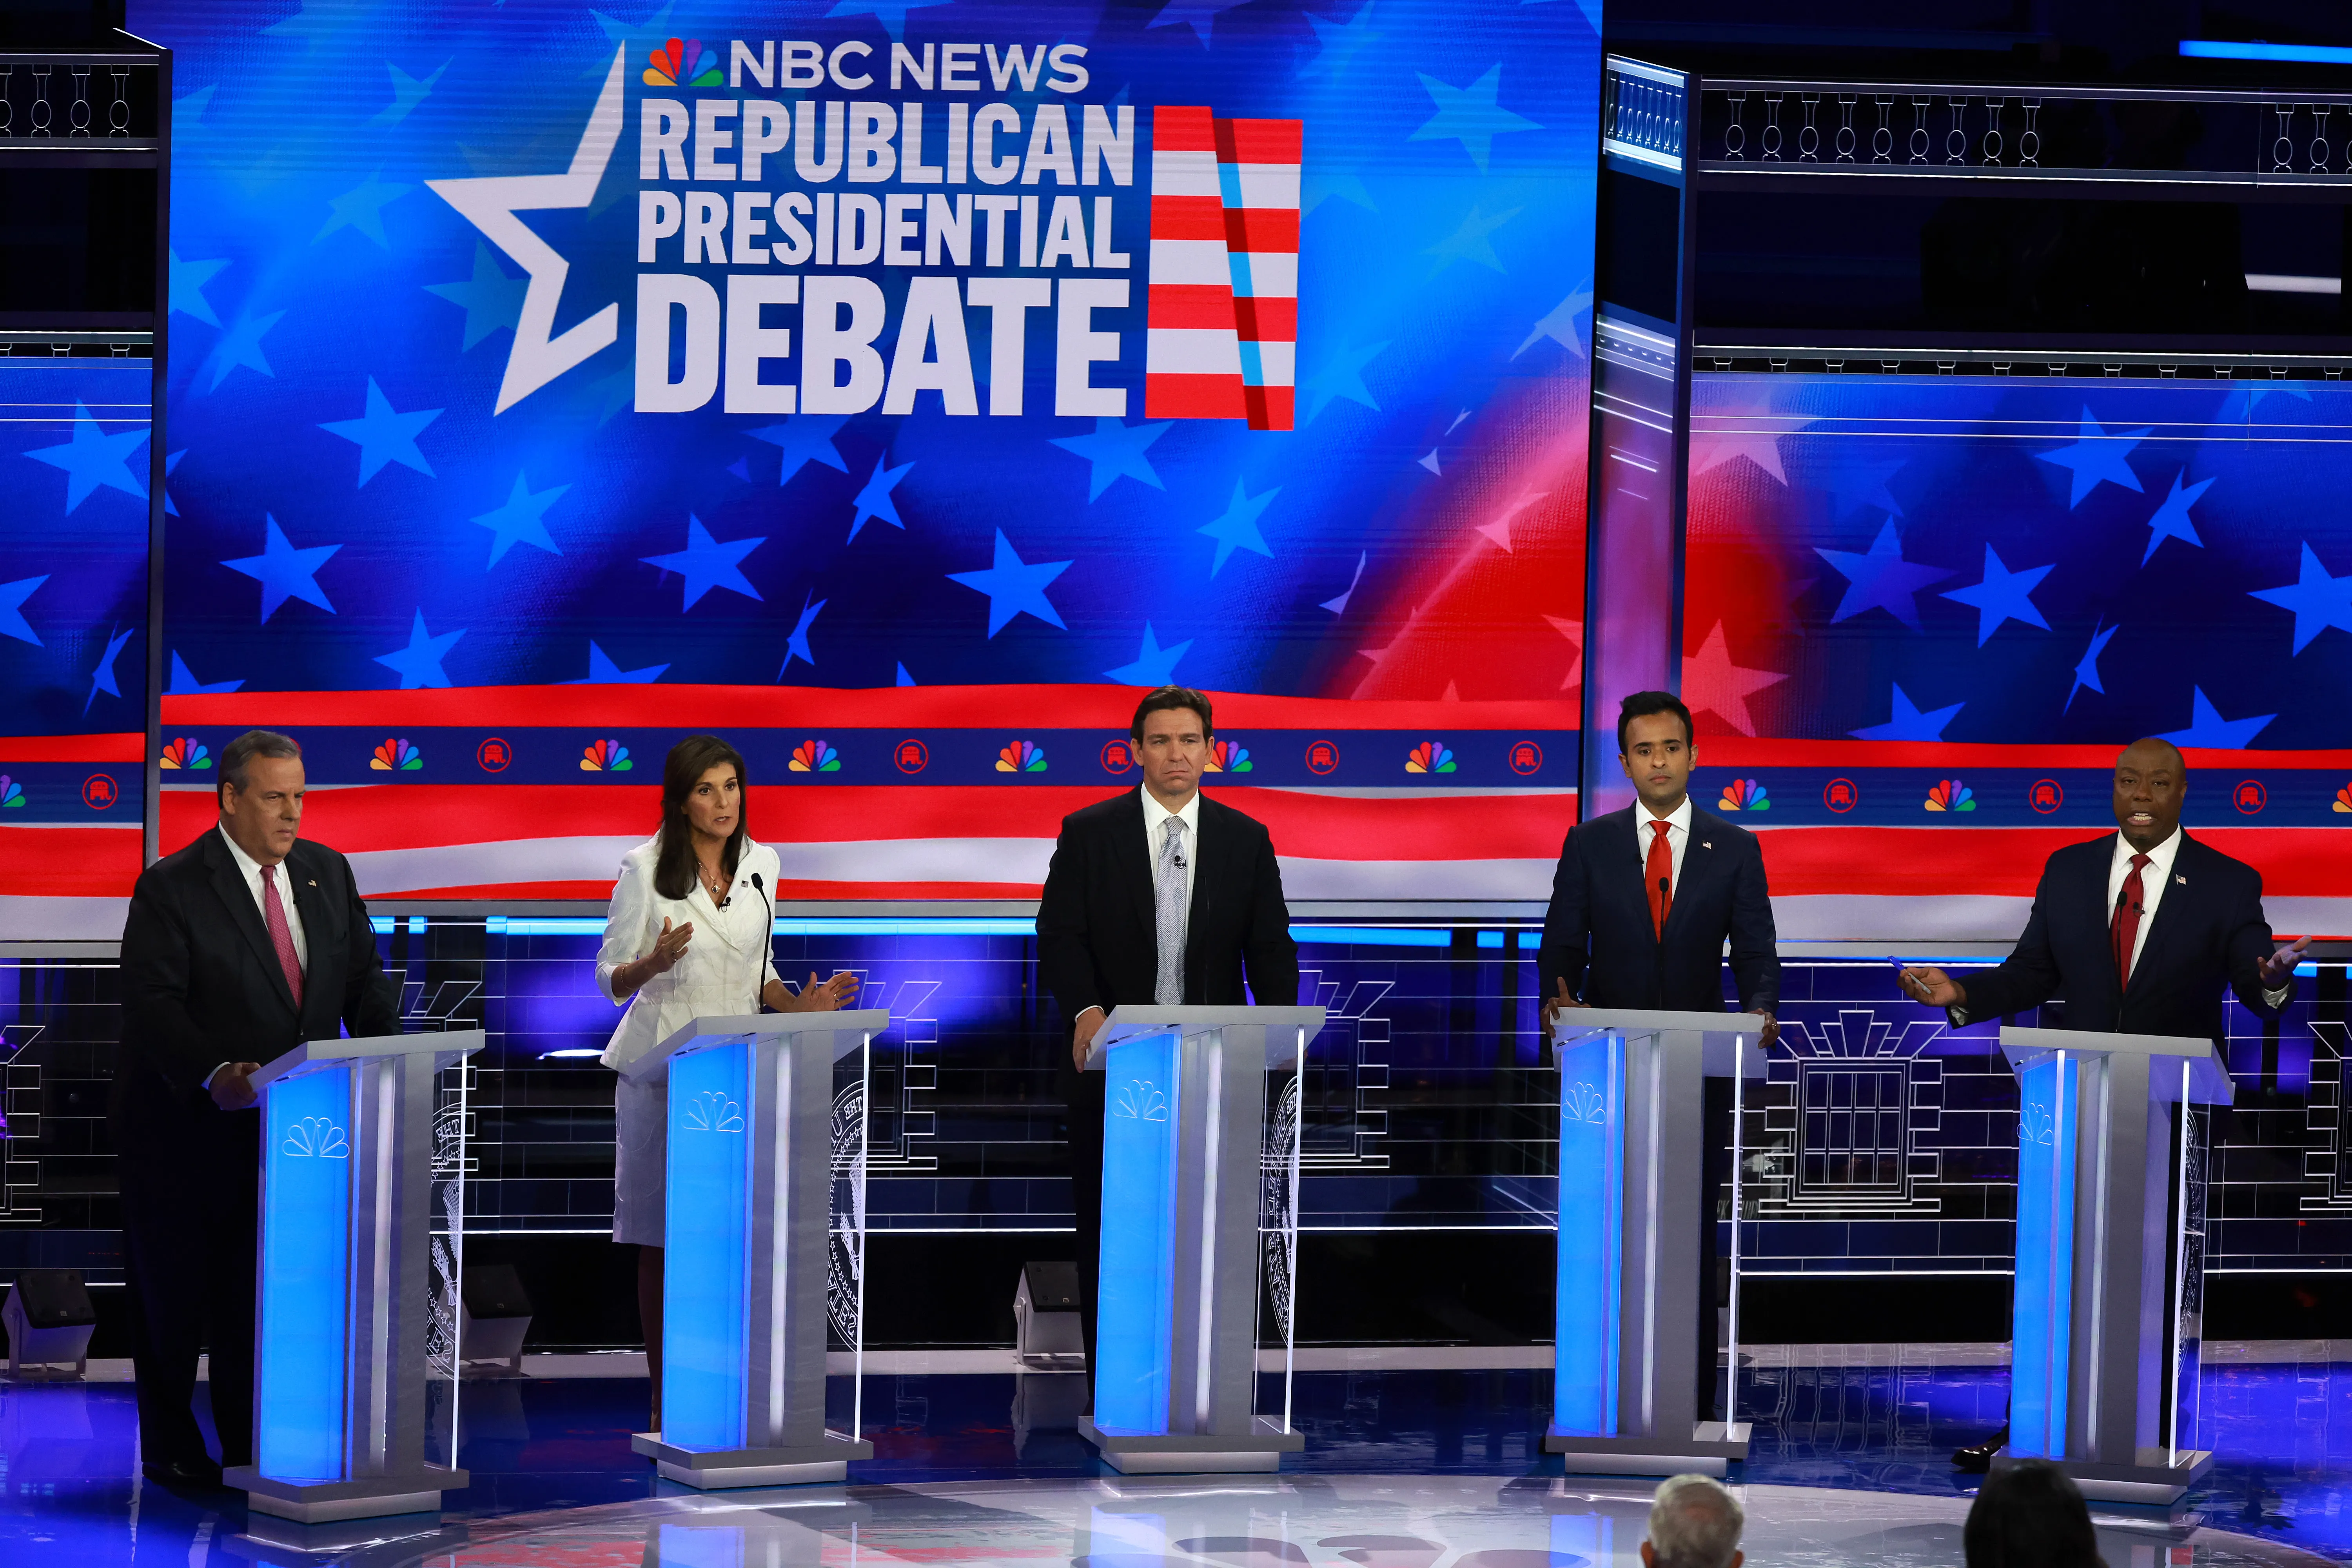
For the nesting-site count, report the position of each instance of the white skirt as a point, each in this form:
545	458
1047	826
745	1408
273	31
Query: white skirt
641	1134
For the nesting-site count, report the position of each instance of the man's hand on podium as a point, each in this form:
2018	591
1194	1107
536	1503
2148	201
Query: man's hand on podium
1771	1030
1082	1034
1553	1004
1925	982
232	1089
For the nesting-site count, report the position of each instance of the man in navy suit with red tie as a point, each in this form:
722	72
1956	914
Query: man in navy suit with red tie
2139	934
1645	897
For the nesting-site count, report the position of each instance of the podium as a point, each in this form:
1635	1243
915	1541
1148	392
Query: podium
2110	1254
764	1231
355	1323
1206	1205
1634	1313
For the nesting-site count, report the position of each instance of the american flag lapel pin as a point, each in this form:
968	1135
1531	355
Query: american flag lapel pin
2182	881
1706	844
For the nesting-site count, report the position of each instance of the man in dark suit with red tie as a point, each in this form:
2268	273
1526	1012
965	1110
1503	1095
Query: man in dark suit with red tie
1645	897
236	948
2139	932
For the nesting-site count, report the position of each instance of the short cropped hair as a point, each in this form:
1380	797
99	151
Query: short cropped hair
1694	1523
238	753
1169	697
1641	704
2029	1514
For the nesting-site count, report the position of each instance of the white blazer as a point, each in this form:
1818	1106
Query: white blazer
723	969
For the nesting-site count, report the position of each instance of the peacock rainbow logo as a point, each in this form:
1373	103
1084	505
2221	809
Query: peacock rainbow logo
1228	757
1429	757
395	756
1744	795
186	752
1950	795
682	63
816	757
1021	757
607	756
12	793
2344	799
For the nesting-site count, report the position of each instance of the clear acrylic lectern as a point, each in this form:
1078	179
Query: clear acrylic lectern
2110	1254
356	1292
1205	1192
764	1228
1633	1306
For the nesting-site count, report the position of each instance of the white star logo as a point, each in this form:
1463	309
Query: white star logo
490	203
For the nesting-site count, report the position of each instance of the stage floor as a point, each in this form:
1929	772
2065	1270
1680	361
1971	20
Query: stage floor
1403	1469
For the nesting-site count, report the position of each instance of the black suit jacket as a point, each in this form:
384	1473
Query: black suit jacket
202	986
2208	934
1599	937
1097	939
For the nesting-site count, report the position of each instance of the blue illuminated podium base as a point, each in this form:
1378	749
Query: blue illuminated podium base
1193	1453
715	1472
328	1502
1708	1451
2151	1482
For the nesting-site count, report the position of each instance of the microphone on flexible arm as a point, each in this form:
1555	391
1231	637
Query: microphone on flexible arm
767	941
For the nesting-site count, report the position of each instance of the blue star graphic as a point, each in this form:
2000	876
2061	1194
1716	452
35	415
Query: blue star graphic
1908	723
2318	600
188	280
904	678
1342	42
891	14
2096	455
706	564
1153	666
12	613
797	647
619	32
2086	669
419	663
315	19
2001	596
1236	529
1559	326
1316	187
384	435
1201	15
362	208
2207	727
1339	374
91	459
1468	243
408	93
171	461
1853	486
1014	587
519	520
2171	520
284	571
1470	115
102	677
805	438
241	346
2257	390
874	500
1880	579
1116	449
490	298
185	684
602	672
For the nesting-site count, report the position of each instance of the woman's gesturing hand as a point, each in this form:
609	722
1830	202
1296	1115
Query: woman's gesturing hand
827	995
669	947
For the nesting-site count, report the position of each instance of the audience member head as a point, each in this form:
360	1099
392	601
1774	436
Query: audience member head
2031	1514
260	794
1693	1523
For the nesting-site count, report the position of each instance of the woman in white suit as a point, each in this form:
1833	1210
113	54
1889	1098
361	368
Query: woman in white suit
687	937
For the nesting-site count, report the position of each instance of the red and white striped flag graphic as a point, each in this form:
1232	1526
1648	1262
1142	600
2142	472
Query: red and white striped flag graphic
1223	317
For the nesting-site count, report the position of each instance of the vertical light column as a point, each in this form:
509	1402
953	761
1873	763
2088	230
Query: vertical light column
1135	1293
1588	1304
305	1277
706	1227
2042	1319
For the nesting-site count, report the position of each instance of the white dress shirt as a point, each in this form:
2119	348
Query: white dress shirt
1677	823
250	868
1154	834
2154	877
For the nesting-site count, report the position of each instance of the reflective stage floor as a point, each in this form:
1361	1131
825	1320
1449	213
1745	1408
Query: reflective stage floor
1403	1469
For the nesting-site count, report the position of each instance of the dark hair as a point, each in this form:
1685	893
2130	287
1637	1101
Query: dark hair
2029	1515
1641	704
674	873
1169	697
243	750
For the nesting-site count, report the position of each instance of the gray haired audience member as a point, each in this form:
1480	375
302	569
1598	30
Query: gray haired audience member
2029	1514
1694	1524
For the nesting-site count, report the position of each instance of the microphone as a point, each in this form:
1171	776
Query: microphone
767	939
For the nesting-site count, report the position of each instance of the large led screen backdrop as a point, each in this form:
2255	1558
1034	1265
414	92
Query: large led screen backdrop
895	388
1922	614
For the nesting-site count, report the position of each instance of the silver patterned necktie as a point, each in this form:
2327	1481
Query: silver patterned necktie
1174	892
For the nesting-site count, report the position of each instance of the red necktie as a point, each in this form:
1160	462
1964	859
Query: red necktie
281	935
2126	929
1659	872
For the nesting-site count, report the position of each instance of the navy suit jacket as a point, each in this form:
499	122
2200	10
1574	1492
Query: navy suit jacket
1599	936
2209	933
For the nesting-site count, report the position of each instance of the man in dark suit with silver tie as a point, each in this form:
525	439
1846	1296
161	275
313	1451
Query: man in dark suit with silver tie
1158	895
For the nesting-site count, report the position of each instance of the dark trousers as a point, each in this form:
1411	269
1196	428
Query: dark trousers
189	1225
1082	1098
